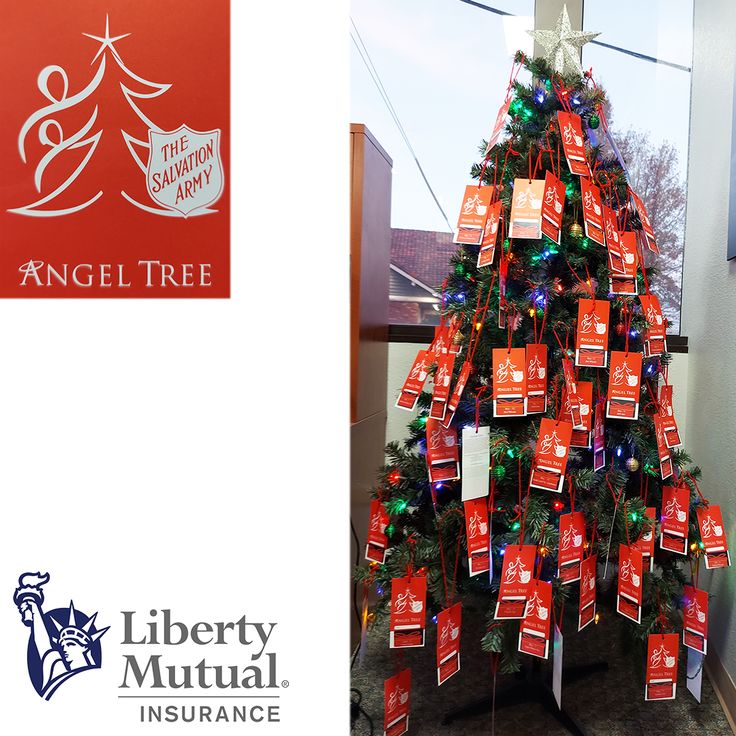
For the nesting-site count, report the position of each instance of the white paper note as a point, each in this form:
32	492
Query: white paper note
476	462
557	666
694	672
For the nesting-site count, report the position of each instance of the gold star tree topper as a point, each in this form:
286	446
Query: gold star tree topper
563	45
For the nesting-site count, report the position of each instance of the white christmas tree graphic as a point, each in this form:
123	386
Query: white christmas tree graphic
550	442
570	538
517	571
622	373
673	510
471	205
535	366
590	323
662	657
61	146
710	528
507	372
694	611
407	598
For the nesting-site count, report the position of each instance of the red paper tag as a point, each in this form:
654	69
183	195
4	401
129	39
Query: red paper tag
582	434
592	210
624	385
665	459
713	536
525	220
536	378
666	411
695	625
498	126
645	543
414	382
534	629
623	271
586	612
396	692
573	401
490	235
443	456
610	228
448	642
591	339
650	240
473	214
457	392
630	582
662	653
408	611
440	343
441	393
516	580
550	459
375	549
571	131
570	552
655	336
599	438
675	517
509	382
553	204
478	533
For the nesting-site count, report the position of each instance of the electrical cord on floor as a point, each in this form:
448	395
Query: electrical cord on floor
357	563
356	710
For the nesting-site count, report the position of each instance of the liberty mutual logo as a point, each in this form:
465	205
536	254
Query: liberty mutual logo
62	643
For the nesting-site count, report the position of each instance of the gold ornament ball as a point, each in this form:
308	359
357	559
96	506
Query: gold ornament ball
632	464
458	338
576	230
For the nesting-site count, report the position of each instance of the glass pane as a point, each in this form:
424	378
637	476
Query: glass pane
650	116
445	67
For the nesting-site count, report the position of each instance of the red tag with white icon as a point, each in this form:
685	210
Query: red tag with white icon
550	459
414	382
645	543
525	220
443	455
592	211
498	126
490	235
630	582
665	459
713	536
675	518
568	371
516	580
440	343
586	611
582	434
666	411
655	336
509	382
624	385
534	629
570	552
599	438
695	624
571	131
553	204
375	549
591	338
623	282
610	228
448	642
478	533
408	611
441	393
457	392
662	653
471	222
649	239
503	272
536	378
396	692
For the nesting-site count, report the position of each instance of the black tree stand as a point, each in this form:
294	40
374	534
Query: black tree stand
531	687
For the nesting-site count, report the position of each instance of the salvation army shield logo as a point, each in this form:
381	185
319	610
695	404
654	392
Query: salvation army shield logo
184	171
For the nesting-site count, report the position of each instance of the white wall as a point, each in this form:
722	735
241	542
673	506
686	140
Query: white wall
709	295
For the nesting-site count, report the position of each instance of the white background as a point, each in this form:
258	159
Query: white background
193	454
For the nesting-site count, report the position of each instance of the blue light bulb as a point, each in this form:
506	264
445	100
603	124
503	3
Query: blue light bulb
619	451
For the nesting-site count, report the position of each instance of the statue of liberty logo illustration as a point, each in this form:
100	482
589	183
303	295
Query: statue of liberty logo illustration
63	642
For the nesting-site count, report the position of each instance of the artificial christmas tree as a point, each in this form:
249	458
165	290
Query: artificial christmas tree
534	477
